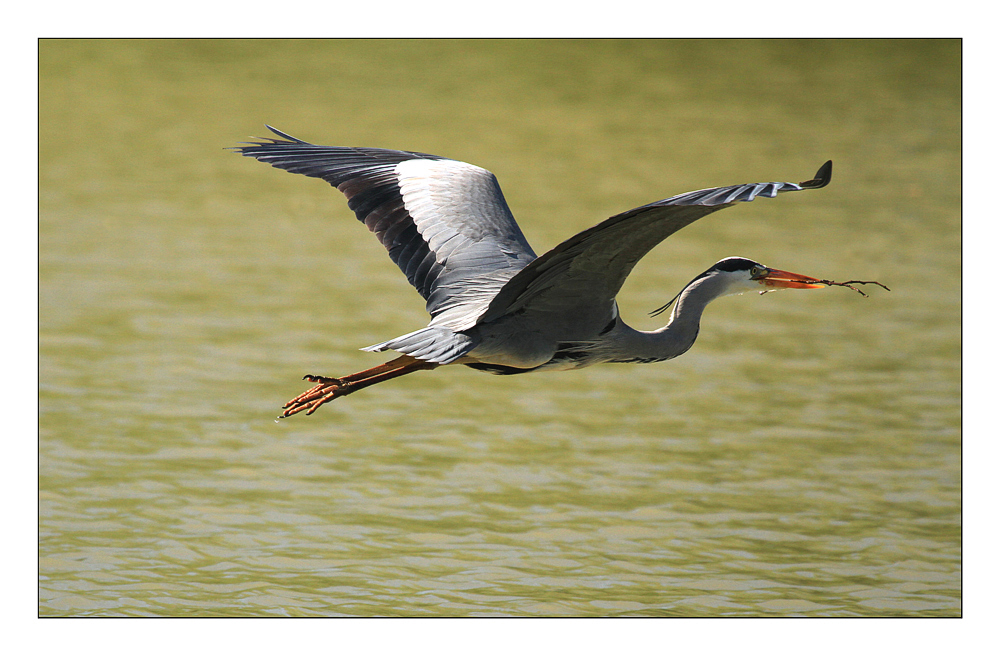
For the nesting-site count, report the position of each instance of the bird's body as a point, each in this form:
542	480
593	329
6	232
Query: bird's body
494	305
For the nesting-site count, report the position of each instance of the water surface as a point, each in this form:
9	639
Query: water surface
802	459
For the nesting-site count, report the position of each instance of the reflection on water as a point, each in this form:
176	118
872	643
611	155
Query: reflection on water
802	459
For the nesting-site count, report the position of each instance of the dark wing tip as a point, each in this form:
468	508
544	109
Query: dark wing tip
248	147
283	135
822	177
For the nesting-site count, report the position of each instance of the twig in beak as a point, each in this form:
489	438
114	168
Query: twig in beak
850	285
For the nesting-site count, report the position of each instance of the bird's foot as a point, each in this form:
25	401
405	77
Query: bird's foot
325	390
328	389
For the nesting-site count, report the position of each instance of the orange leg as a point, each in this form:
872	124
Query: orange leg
328	389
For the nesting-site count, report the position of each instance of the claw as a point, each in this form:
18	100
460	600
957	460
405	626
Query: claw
321	379
325	390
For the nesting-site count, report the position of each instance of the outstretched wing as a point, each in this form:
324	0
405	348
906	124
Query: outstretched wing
445	223
580	277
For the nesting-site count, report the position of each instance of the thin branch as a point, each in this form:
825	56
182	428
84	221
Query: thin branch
850	285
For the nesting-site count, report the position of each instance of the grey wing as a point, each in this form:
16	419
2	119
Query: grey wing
445	223
580	277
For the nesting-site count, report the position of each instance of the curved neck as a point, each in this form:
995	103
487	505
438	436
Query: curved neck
680	333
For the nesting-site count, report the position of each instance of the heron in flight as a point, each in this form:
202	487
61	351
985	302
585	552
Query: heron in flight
495	305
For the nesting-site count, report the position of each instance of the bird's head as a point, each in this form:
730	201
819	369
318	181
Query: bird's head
741	275
736	275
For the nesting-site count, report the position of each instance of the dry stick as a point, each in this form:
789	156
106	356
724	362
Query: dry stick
850	285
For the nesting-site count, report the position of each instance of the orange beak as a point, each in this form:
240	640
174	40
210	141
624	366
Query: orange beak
787	279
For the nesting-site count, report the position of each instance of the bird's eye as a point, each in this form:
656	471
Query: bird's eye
754	272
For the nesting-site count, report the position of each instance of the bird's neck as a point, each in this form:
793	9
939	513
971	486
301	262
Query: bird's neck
680	333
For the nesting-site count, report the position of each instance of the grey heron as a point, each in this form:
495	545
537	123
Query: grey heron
495	306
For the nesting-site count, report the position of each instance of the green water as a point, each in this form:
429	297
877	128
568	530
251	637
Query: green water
802	459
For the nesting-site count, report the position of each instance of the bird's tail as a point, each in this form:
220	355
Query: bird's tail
431	344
